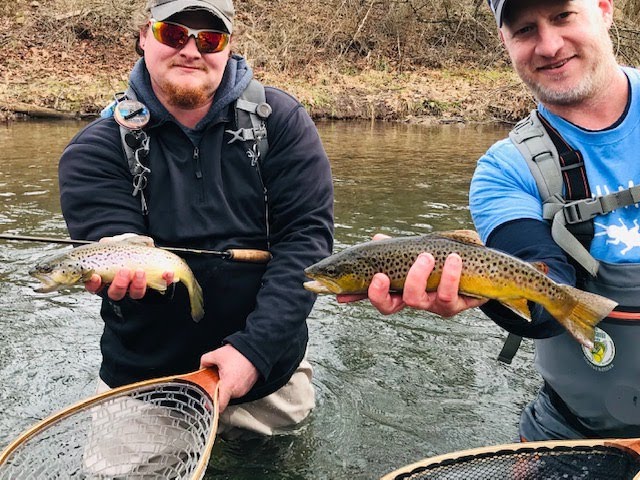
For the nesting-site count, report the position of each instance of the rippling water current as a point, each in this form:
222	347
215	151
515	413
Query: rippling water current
390	390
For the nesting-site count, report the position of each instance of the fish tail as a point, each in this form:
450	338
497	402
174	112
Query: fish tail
195	298
585	315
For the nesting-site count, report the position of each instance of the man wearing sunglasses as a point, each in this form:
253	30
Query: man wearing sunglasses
562	190
207	190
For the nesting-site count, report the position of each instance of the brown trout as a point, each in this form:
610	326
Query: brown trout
107	258
486	273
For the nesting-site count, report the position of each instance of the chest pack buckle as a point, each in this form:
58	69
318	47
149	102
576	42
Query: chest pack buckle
251	112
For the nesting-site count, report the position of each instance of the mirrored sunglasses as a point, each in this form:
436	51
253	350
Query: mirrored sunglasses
175	35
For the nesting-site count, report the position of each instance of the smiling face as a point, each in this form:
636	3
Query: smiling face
184	77
561	49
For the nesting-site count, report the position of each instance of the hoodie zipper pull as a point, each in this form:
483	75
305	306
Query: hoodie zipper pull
196	157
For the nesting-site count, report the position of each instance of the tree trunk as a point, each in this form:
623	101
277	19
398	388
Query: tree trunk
35	111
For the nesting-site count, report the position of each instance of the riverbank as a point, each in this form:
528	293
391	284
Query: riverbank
342	60
77	83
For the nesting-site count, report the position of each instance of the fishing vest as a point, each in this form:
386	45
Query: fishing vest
598	390
251	111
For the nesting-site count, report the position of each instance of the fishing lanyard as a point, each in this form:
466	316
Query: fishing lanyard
133	116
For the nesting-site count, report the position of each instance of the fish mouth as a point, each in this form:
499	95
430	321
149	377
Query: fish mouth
48	284
322	286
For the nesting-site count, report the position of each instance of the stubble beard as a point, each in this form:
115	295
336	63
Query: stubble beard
600	57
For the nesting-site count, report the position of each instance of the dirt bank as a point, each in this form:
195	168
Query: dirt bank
344	60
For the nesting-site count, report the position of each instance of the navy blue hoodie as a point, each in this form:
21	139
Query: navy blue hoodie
205	193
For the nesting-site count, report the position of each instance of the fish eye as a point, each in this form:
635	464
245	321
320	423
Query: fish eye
332	270
45	268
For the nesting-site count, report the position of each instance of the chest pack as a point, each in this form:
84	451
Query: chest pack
251	111
567	202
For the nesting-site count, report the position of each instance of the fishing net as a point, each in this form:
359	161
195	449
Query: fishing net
576	462
160	431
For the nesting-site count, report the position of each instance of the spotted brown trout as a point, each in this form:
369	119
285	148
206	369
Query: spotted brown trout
107	258
486	273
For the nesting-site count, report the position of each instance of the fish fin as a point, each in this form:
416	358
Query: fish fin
464	236
541	267
159	285
196	299
467	294
86	275
519	306
136	239
586	314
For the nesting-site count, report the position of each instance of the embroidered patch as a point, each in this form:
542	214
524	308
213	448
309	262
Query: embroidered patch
602	353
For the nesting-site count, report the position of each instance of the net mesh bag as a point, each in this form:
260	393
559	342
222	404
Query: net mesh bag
160	431
598	462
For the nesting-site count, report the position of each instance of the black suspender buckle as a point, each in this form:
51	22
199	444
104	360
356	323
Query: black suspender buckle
582	210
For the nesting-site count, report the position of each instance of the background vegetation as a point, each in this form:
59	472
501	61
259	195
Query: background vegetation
412	60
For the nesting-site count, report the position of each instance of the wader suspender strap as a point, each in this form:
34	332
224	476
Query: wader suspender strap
553	163
510	347
539	143
552	166
252	111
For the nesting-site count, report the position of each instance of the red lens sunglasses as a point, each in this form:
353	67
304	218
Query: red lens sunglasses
175	35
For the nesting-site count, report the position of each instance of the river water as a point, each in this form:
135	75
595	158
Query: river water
391	390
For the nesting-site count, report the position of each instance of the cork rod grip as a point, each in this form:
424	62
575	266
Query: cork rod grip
249	255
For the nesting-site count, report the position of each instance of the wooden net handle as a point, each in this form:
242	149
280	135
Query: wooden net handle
207	378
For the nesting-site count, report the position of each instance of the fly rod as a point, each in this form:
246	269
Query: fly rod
237	254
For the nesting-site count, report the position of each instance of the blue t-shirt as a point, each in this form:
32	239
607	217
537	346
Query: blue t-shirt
503	188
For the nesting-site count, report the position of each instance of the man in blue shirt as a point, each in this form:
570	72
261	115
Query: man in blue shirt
563	53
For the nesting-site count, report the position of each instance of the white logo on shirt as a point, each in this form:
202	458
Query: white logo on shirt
629	237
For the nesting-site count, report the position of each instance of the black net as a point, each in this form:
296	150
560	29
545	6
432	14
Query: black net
541	463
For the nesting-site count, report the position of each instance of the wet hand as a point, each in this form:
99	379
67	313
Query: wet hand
445	301
237	374
126	281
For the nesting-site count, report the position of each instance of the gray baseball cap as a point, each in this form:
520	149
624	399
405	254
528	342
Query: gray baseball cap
497	7
223	9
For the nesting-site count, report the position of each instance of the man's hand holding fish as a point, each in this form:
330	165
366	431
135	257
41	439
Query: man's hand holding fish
126	281
133	282
445	301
